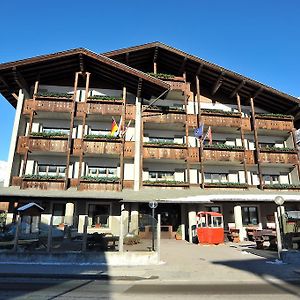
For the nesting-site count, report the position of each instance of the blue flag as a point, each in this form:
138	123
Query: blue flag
198	132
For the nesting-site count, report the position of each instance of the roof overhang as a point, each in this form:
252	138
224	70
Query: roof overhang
59	68
172	60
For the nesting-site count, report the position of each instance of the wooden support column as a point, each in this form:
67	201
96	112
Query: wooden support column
256	143
238	99
293	134
72	115
87	83
124	95
32	113
187	133
200	154
155	60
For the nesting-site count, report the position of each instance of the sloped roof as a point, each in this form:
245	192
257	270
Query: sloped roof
173	60
57	66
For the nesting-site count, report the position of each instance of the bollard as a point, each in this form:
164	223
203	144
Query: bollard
84	237
16	240
49	241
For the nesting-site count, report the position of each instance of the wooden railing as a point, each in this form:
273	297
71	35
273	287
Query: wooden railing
40	144
40	184
157	117
86	185
177	83
64	105
112	147
274	123
164	152
278	157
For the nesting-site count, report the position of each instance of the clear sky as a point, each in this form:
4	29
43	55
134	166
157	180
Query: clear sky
259	39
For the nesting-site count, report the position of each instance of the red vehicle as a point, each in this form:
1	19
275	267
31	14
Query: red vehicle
210	227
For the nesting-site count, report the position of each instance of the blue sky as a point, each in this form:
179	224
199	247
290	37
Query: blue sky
259	39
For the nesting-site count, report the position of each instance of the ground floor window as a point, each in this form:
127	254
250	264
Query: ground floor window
99	215
250	215
58	212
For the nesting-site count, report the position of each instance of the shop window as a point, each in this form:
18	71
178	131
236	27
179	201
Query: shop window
102	172
99	215
250	215
161	175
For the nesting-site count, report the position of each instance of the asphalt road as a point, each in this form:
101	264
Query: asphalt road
49	289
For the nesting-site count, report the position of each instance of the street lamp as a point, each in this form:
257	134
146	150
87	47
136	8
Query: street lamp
279	201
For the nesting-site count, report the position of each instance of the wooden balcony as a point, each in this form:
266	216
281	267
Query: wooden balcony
169	116
220	120
221	155
276	157
177	84
98	146
274	123
99	108
155	151
59	105
89	185
40	144
40	184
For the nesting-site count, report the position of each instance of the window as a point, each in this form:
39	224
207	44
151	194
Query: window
266	145
161	140
102	171
250	215
216	209
58	212
99	131
161	176
51	170
215	177
271	179
99	215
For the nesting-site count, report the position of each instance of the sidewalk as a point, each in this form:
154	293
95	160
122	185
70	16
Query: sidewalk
181	261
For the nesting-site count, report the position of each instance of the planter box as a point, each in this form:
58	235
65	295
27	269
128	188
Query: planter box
43	184
224	186
90	185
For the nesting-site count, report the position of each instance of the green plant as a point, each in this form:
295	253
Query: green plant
282	186
277	149
179	230
3	216
100	136
54	94
222	147
101	179
219	111
161	75
274	115
106	98
49	134
164	143
167	182
42	177
226	184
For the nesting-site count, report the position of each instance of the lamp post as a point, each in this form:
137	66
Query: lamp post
279	223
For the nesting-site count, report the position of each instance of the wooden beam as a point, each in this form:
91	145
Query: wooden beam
199	69
139	88
259	91
20	81
181	70
15	96
81	63
218	83
155	60
294	109
127	58
236	90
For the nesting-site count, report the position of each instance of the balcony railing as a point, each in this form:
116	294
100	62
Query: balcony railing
164	151
39	183
42	144
232	185
94	184
110	109
284	157
220	120
166	184
274	122
59	105
164	115
98	146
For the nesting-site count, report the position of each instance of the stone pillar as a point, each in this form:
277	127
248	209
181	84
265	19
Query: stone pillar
137	144
9	218
192	221
238	219
81	223
69	213
14	136
134	222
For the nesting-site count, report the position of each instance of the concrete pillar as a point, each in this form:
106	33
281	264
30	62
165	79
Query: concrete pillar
81	223
123	222
137	144
183	217
134	222
69	213
158	237
14	136
238	219
46	218
9	218
192	221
